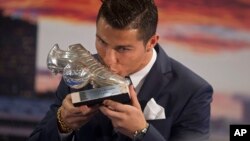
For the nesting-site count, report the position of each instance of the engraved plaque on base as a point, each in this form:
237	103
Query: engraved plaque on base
91	97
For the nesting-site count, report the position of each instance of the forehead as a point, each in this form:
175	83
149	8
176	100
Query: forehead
104	30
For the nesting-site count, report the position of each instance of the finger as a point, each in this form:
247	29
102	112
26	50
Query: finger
77	119
110	113
69	107
133	96
66	114
77	122
85	110
114	106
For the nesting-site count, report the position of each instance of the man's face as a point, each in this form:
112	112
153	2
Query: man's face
121	50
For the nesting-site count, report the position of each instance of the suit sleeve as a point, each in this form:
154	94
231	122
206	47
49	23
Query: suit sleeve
47	129
193	124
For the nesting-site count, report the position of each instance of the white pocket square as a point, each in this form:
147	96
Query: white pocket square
154	111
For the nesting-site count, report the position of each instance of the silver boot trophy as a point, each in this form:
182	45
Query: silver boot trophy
78	68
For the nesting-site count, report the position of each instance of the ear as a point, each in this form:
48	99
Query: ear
152	42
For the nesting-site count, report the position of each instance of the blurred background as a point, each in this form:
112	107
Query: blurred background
212	37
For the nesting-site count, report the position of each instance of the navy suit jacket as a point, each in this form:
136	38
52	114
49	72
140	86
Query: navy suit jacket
185	96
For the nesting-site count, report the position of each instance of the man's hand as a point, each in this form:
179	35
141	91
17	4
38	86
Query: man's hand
75	117
125	118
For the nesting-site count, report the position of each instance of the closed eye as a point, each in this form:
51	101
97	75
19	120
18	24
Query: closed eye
122	49
101	41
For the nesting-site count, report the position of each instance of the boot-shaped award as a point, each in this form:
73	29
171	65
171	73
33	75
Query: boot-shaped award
78	68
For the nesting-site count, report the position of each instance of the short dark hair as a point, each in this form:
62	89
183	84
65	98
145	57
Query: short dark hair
131	14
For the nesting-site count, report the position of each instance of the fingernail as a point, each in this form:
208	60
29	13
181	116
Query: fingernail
104	102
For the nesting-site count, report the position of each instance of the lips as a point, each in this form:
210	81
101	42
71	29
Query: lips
114	71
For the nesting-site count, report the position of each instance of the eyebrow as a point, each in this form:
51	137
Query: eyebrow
116	47
101	39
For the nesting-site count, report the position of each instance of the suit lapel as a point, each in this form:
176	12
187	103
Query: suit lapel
156	79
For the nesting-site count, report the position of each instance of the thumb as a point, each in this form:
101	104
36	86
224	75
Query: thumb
133	96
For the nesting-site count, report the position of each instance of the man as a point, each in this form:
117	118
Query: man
168	101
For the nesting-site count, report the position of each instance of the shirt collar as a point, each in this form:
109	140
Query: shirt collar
138	76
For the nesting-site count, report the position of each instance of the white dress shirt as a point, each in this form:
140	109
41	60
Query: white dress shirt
138	77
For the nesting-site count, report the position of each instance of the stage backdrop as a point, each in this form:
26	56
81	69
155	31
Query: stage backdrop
210	37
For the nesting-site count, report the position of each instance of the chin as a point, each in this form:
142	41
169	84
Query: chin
116	72
119	73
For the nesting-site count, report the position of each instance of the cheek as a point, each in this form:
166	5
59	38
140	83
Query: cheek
137	61
129	63
100	51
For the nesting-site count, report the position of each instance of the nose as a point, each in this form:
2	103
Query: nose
110	57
